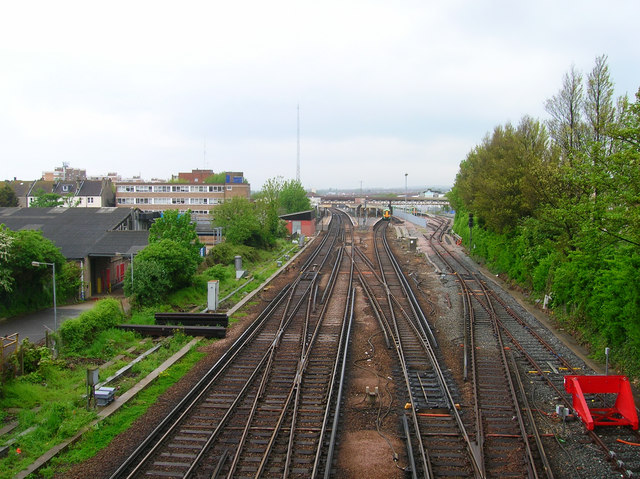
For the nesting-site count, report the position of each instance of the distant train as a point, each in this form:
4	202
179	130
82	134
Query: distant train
386	214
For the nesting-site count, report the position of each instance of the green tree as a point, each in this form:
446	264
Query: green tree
243	222
269	199
160	268
566	108
46	200
175	226
498	179
35	290
168	262
293	197
217	178
619	183
575	202
8	196
599	108
6	280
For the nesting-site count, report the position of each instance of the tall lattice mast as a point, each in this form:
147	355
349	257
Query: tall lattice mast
298	155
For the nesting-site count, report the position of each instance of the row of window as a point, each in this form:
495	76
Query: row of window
71	200
172	188
168	201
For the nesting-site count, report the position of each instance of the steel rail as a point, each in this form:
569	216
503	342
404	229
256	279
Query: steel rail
199	390
336	415
336	383
295	387
297	384
508	374
181	410
430	353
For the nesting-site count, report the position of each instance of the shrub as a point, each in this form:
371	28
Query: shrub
219	272
77	332
225	253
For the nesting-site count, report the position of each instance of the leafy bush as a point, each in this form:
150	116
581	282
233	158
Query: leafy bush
161	268
33	356
219	272
77	332
68	282
152	283
225	253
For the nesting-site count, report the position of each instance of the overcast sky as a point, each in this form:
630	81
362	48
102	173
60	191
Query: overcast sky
384	88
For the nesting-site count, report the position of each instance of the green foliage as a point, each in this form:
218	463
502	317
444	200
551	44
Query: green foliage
219	272
217	178
293	197
42	199
81	330
560	215
18	249
151	283
498	179
145	315
58	391
100	436
224	253
159	269
34	356
175	226
7	196
109	342
244	223
68	281
6	279
168	263
177	259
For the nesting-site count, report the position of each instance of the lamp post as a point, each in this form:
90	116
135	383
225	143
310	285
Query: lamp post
55	308
406	205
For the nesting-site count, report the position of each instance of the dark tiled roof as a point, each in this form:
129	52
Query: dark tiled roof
299	216
123	242
46	186
65	188
76	231
21	188
91	188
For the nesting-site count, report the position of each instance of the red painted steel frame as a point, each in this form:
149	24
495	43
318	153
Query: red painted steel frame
623	413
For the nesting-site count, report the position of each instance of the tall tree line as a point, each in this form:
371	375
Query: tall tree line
561	198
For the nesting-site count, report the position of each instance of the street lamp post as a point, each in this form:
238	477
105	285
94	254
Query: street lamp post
406	204
55	308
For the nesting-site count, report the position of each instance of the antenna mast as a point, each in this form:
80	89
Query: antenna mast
298	156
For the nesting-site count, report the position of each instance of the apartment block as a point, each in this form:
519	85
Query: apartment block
196	196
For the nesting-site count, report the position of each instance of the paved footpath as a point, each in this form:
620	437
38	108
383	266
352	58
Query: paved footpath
34	325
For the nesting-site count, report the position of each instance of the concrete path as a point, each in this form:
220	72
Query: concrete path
34	325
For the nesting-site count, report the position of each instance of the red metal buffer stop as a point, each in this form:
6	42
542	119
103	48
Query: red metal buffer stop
623	412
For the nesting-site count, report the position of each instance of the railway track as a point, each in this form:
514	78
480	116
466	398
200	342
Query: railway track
269	407
532	353
435	434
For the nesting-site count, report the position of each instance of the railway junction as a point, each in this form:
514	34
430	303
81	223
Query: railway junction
375	357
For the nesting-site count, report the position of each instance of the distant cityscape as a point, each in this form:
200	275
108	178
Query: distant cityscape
198	190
